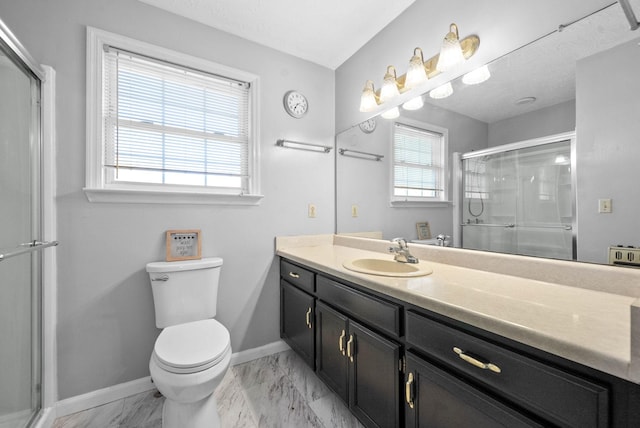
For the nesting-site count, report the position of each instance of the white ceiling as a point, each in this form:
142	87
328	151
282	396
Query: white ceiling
326	32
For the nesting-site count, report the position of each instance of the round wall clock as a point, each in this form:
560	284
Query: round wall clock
295	104
368	126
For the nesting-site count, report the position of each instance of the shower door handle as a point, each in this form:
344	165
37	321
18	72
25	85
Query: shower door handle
28	247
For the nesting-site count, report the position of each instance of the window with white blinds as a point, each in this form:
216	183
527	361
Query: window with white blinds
167	127
169	124
418	164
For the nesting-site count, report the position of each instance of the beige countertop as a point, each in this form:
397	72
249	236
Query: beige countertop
591	327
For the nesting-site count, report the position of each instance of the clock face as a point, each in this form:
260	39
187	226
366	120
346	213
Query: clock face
295	104
368	126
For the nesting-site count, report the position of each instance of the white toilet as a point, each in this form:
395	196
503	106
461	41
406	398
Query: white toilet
192	353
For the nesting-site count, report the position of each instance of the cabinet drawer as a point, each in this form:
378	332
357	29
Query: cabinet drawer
296	275
368	309
563	398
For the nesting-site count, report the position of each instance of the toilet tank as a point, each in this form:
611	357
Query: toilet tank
184	291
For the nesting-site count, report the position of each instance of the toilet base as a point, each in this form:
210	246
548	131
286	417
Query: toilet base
201	414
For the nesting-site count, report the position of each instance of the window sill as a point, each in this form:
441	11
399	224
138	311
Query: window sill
130	196
420	204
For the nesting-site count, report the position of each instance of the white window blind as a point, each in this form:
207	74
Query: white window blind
418	164
173	125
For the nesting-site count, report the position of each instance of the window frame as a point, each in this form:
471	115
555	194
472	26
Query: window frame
414	201
98	190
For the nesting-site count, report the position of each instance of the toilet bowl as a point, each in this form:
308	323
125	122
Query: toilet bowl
188	363
193	351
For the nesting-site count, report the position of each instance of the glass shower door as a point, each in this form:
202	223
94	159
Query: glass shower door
20	277
520	200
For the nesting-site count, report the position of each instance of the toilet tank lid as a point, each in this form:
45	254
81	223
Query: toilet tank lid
183	265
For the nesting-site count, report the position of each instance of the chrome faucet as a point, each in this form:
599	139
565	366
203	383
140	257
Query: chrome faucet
401	252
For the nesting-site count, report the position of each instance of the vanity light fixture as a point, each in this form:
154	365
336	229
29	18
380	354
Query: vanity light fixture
392	113
369	99
389	88
451	52
303	146
414	103
476	76
442	91
419	72
416	74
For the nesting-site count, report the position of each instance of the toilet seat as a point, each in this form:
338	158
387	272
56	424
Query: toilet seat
191	347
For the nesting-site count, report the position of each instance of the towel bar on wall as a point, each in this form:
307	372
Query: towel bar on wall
360	155
303	146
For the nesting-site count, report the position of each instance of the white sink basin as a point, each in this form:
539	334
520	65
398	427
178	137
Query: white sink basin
387	267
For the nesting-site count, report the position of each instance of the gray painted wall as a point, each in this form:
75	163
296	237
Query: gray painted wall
607	133
539	123
106	326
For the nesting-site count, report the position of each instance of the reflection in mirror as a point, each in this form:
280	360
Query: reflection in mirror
520	200
582	80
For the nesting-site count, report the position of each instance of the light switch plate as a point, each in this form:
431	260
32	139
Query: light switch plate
604	205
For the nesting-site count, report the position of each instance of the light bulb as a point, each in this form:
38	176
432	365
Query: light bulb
368	100
451	51
413	104
416	74
442	91
389	88
476	76
392	113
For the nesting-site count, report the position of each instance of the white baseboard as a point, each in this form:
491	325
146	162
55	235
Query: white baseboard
102	396
259	352
123	390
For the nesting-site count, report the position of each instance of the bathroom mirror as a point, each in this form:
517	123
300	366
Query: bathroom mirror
581	78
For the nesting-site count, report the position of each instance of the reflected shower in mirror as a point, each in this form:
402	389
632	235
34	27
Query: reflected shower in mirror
579	80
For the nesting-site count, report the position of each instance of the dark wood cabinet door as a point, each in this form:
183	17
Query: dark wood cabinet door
296	321
436	399
374	378
331	341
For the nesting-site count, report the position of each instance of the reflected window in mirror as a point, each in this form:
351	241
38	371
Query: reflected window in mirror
419	162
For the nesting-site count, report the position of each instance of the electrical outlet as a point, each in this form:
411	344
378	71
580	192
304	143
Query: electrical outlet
311	211
354	211
604	205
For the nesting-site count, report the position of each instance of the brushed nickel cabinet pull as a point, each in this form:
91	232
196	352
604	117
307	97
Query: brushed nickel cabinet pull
475	362
340	342
309	318
294	275
408	390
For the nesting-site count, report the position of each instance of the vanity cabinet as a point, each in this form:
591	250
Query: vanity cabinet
396	364
297	310
361	366
557	396
437	399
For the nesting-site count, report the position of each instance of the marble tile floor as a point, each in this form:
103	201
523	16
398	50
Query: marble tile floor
277	391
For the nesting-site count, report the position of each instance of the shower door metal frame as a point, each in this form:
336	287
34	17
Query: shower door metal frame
21	57
535	142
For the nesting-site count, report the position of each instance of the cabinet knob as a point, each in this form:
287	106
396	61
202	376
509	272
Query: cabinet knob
340	341
294	275
408	390
475	361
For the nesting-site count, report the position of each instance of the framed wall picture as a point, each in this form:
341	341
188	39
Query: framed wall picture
424	232
183	245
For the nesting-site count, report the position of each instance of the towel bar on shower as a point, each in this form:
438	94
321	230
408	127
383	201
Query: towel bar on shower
28	248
